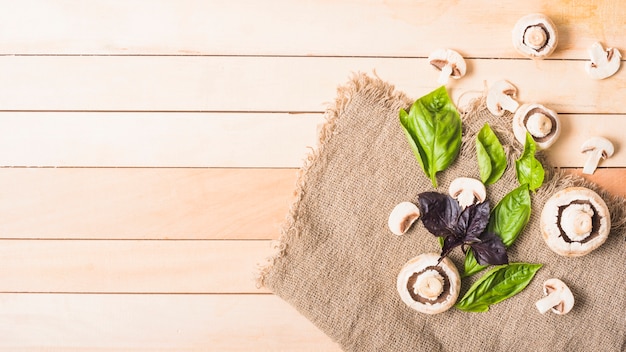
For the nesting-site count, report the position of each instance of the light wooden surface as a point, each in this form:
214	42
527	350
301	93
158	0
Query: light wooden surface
148	149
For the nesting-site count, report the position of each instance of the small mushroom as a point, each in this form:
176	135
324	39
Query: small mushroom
575	221
535	36
428	286
596	148
467	191
542	123
558	297
604	63
449	62
500	98
402	217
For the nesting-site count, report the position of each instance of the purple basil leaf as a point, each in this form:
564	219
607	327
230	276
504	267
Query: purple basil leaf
478	219
449	243
490	250
440	213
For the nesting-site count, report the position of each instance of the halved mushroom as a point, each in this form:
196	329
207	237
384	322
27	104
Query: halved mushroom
542	123
604	63
467	191
500	98
449	62
535	36
575	221
558	298
597	148
402	217
429	287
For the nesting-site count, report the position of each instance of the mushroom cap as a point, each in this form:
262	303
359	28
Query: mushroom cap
402	217
604	63
552	224
467	191
500	98
426	263
520	124
541	24
443	57
598	143
557	286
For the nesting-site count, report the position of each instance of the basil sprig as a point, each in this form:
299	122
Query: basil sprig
491	157
507	220
433	128
497	285
529	169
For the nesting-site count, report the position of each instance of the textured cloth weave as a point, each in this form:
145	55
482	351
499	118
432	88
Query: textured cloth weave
337	262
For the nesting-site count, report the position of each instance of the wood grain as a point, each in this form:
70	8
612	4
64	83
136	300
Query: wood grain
276	84
128	266
122	322
347	28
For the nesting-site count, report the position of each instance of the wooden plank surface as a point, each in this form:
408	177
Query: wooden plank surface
148	149
275	84
281	27
122	322
90	139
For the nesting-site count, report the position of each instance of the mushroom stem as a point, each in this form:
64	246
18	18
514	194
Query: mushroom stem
445	74
592	161
539	125
549	301
535	37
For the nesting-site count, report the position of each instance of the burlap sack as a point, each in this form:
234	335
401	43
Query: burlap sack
337	261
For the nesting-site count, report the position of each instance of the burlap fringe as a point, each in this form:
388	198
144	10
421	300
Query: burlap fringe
358	83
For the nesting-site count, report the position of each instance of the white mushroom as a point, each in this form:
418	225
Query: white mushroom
604	63
558	298
535	36
542	123
402	217
429	287
500	98
449	62
596	148
575	221
467	191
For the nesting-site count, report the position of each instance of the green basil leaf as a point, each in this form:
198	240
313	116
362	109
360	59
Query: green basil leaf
433	128
491	157
510	215
507	220
529	169
496	285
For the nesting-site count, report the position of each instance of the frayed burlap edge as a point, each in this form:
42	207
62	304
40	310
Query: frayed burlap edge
360	83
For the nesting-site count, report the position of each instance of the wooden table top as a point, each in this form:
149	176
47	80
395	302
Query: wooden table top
149	149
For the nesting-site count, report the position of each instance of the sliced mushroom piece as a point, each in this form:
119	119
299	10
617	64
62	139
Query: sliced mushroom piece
596	148
467	191
604	63
449	62
428	286
402	217
575	221
542	123
558	297
535	36
500	98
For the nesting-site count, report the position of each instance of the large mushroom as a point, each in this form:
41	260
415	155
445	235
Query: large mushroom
542	123
575	221
428	286
449	62
535	36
